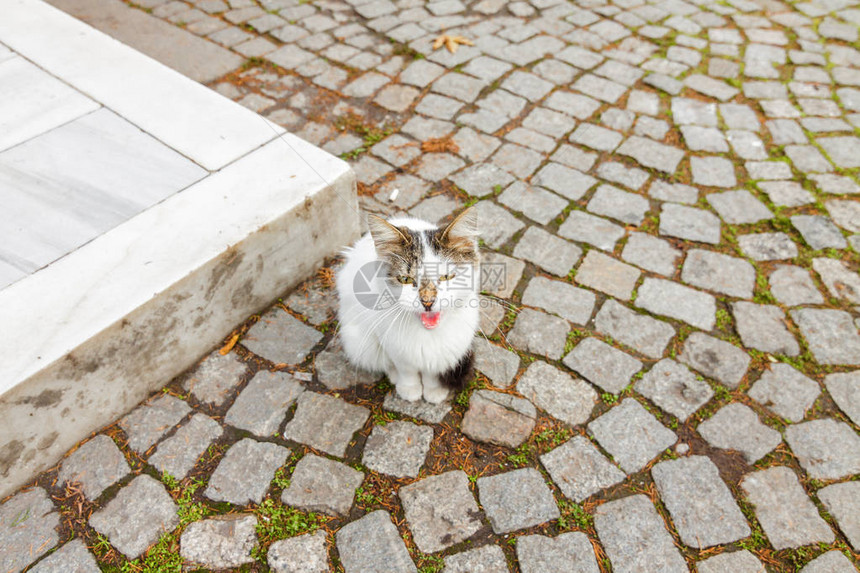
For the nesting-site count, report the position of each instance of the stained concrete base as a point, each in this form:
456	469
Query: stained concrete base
91	334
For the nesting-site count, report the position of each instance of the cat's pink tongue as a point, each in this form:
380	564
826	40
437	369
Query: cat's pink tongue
430	319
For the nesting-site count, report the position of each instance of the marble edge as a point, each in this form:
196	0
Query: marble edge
187	116
116	273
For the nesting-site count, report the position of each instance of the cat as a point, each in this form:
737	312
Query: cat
408	303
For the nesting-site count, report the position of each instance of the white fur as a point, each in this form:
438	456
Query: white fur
394	340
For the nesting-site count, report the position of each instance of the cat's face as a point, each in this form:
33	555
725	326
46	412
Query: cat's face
430	271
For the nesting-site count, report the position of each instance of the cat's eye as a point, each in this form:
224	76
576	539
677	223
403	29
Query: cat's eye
447	277
404	280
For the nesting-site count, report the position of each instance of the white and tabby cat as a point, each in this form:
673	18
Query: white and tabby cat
409	303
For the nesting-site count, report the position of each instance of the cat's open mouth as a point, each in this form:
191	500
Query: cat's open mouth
430	320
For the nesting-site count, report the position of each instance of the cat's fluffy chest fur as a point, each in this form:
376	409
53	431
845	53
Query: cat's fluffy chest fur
409	303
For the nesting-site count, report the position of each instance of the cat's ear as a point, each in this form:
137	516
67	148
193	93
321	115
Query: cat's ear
386	237
461	234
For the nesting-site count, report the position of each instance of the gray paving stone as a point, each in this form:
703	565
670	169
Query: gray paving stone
280	338
96	465
28	528
713	172
178	454
498	364
606	274
843	151
368	170
579	106
531	139
635	537
323	485
642	333
535	203
785	391
786	193
575	157
485	120
216	377
487	68
72	557
689	223
580	470
643	102
632	177
458	86
788	517
739	207
549	122
602	365
715	358
687	111
570	552
481	179
475	146
396	150
763	327
372	544
826	448
325	422
768	246
585	228
559	394
700	138
505	103
651	254
397	448
516	500
835	184
653	128
631	435
793	286
844	388
486	559
617	204
831	335
495	224
599	88
146	424
768	170
137	516
440	511
245	471
527	85
718	272
547	251
737	562
517	160
335	372
303	554
437	166
702	507
677	301
539	333
437	106
819	232
596	137
497	418
830	562
262	405
500	274
421	73
674	388
737	427
220	542
396	98
566	182
807	158
842	501
845	213
840	280
747	144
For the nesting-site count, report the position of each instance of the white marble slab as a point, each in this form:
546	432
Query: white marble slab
33	102
191	118
117	272
62	189
5	53
9	274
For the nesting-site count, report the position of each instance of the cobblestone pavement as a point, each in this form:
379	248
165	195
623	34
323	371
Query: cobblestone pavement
671	188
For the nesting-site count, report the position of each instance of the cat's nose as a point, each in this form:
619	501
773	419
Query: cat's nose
427	304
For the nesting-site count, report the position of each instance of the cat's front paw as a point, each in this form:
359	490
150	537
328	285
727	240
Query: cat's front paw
435	394
409	392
